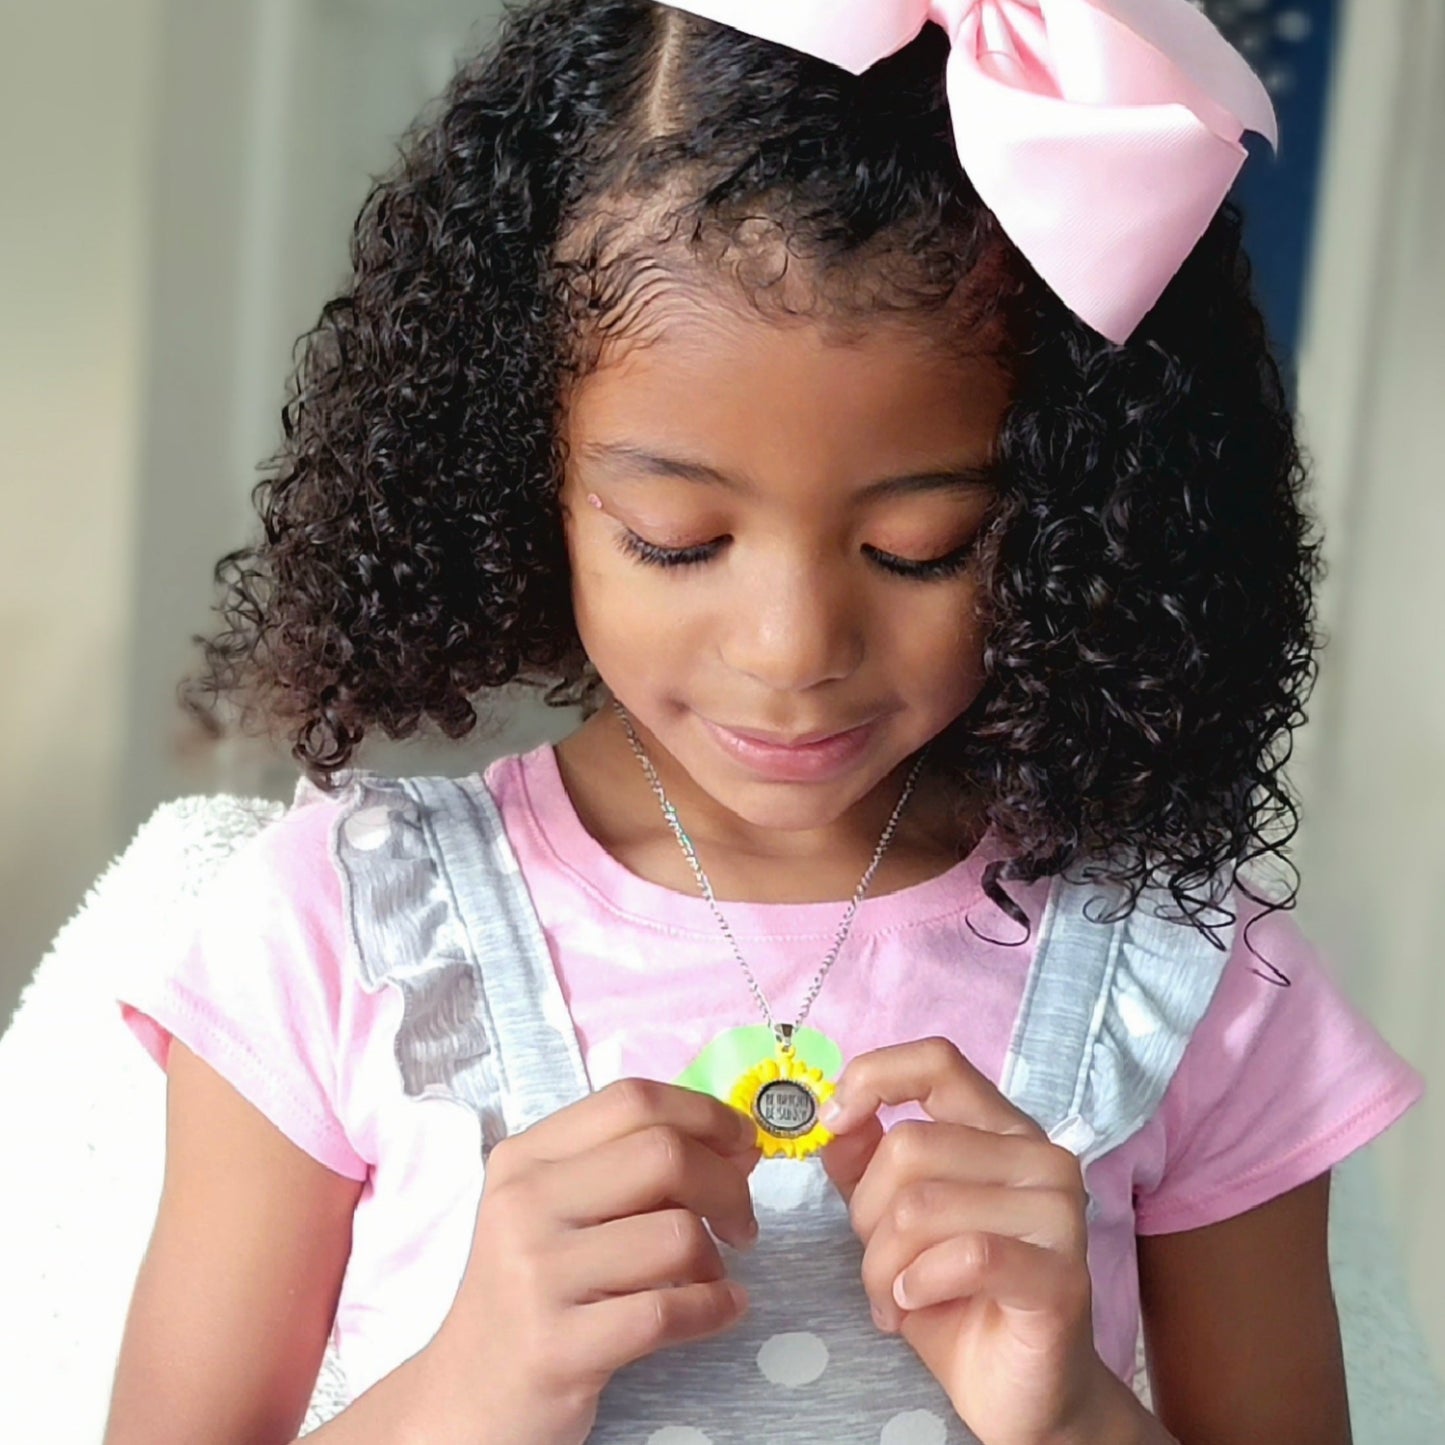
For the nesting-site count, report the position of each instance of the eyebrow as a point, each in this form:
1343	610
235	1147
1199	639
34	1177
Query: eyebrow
623	457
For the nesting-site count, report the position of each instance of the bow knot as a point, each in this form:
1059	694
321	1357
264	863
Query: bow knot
1102	134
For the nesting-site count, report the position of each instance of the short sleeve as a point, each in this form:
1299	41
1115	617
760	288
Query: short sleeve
1277	1085
257	986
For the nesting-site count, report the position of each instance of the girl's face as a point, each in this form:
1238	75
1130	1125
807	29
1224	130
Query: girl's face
770	532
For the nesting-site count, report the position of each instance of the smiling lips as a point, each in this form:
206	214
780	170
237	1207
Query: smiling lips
811	757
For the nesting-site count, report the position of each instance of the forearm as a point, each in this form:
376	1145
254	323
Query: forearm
419	1403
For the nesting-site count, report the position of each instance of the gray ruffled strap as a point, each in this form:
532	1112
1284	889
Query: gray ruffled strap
435	906
1107	1012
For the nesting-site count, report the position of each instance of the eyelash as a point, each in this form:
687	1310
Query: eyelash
949	565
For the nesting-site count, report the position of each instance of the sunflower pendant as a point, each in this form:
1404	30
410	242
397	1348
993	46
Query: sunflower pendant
783	1096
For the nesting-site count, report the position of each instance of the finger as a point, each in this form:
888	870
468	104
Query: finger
930	1213
933	1073
654	1168
605	1336
846	1157
1013	1273
626	1106
915	1150
665	1248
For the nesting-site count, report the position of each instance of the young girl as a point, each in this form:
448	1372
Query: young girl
869	1013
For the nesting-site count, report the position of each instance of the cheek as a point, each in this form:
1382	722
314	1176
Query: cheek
620	612
939	647
940	670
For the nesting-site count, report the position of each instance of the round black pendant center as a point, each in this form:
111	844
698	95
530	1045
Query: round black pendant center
786	1108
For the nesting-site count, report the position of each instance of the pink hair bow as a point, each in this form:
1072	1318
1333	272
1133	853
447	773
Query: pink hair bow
1103	134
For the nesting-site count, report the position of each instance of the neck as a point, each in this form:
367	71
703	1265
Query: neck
744	862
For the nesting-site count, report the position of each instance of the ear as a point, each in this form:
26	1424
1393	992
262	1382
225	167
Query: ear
847	1158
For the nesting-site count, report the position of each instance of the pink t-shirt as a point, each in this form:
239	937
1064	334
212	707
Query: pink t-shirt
1276	1086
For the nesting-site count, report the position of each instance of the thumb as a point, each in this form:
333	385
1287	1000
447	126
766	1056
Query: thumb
848	1155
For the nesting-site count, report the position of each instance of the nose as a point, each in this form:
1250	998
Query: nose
794	632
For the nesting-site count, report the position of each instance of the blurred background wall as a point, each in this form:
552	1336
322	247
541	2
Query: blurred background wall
180	180
78	115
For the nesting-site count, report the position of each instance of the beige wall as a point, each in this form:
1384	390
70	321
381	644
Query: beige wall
1371	381
76	120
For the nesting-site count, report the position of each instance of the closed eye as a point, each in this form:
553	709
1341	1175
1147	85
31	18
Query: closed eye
644	551
949	565
933	568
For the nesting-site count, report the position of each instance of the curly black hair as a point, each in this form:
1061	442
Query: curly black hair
1149	568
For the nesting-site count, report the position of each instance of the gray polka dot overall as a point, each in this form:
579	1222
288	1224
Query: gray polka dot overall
436	906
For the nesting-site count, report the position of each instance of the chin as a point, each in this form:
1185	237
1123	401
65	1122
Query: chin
788	807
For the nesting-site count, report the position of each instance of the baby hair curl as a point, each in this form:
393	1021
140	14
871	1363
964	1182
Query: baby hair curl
1148	568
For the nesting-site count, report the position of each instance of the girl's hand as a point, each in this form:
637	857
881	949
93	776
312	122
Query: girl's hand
590	1252
975	1243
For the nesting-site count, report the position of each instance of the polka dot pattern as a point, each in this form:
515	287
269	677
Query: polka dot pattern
605	1062
554	1010
1265	32
793	1359
785	1185
1294	26
914	1427
367	828
1074	1134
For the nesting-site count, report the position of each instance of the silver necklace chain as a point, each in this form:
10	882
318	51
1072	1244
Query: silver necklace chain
784	1032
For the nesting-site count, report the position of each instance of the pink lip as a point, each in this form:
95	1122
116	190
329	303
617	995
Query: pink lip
810	758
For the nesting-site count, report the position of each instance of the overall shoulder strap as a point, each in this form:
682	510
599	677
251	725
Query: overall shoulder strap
1107	1011
435	905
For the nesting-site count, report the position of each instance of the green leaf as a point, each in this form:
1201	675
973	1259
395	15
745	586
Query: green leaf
730	1055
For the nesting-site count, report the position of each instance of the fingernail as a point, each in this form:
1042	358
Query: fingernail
750	1234
900	1293
831	1114
738	1295
881	1320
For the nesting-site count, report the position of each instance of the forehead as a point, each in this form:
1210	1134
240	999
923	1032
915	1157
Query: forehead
761	392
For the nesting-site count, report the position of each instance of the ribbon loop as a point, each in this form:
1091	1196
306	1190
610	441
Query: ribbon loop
1102	134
